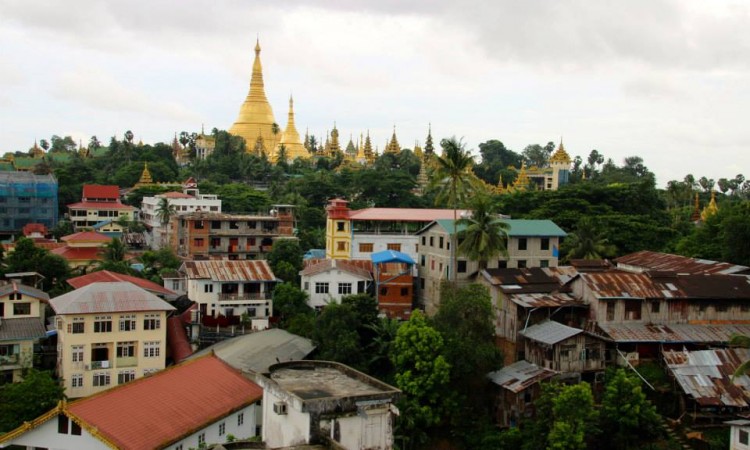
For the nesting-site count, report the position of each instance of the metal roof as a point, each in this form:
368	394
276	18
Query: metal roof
22	329
674	333
706	375
617	284
225	270
391	256
520	375
258	351
550	332
361	268
525	280
15	286
540	300
108	297
108	276
404	214
648	260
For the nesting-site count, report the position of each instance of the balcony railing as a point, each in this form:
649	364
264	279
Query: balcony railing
244	296
101	365
8	360
130	361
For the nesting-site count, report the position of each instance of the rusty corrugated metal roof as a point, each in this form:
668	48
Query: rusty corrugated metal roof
534	279
673	333
225	270
617	284
706	375
361	268
648	260
520	375
105	297
540	300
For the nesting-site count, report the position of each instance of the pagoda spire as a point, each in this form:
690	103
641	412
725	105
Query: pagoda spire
696	216
393	146
290	138
429	149
369	154
711	209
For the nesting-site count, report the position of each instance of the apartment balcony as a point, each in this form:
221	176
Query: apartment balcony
101	365
9	360
244	296
130	361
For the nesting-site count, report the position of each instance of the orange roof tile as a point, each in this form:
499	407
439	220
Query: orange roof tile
155	411
100	191
107	276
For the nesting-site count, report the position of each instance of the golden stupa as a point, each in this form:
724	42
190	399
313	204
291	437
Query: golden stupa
255	122
290	138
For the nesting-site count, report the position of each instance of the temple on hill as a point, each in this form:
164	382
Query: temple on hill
554	174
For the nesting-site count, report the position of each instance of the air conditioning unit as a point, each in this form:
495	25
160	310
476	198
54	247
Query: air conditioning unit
279	408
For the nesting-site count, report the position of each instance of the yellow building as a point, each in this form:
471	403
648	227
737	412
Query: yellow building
21	325
108	334
338	230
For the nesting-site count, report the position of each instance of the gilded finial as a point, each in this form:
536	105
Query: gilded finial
257	45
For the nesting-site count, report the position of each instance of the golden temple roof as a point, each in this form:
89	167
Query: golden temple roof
256	116
711	209
392	146
290	137
696	215
36	152
145	175
560	156
522	180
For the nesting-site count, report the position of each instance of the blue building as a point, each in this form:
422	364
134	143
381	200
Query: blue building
27	198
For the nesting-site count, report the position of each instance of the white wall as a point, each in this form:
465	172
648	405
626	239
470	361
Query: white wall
734	439
380	242
284	430
46	436
333	277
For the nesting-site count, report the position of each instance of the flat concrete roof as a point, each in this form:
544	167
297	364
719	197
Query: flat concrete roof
310	380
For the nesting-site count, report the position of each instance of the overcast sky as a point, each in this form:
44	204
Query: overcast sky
665	80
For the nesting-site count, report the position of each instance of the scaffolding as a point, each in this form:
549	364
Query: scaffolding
26	197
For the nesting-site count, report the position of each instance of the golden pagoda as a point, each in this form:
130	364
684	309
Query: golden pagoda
290	138
367	150
418	150
146	178
255	122
36	152
696	215
560	156
522	180
392	146
429	149
500	189
711	209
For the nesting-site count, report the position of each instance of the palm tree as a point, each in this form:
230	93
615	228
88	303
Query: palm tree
164	211
454	179
485	235
588	242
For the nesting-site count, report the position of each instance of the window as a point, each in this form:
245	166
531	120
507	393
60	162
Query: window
360	287
424	240
611	311
179	447
461	267
567	351
198	242
199	224
62	424
655	306
321	288
340	226
544	263
151	349
341	246
421	283
222	429
345	288
127	322
393	246
521	263
75	429
384	291
522	243
240	419
216	224
432	241
208	288
440	242
152	321
125	376
101	379
125	349
201	438
149	372
215	242
21	309
16	296
422	260
365	248
102	324
502	264
744	437
404	291
721	307
632	310
76	380
545	244
77	353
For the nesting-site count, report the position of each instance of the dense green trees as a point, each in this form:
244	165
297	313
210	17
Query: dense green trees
27	400
27	257
627	418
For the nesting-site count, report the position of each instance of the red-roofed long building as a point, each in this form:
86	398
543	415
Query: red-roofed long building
112	277
99	204
191	405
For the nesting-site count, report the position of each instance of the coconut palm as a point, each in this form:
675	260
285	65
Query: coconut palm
485	235
588	242
165	211
453	179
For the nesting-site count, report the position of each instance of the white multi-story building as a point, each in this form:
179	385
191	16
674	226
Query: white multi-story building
190	200
327	281
108	334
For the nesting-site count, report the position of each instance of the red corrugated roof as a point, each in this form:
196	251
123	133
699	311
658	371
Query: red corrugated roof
86	236
100	191
403	214
155	411
79	253
224	270
107	276
100	205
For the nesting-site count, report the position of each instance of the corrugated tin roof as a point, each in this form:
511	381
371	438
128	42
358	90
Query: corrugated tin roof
15	286
674	333
152	412
22	329
101	191
550	332
706	375
100	205
361	268
617	284
86	236
258	351
527	280
391	256
107	276
225	270
107	298
520	375
654	285
648	260
539	300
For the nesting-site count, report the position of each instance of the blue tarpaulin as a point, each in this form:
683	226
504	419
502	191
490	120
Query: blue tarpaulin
391	256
